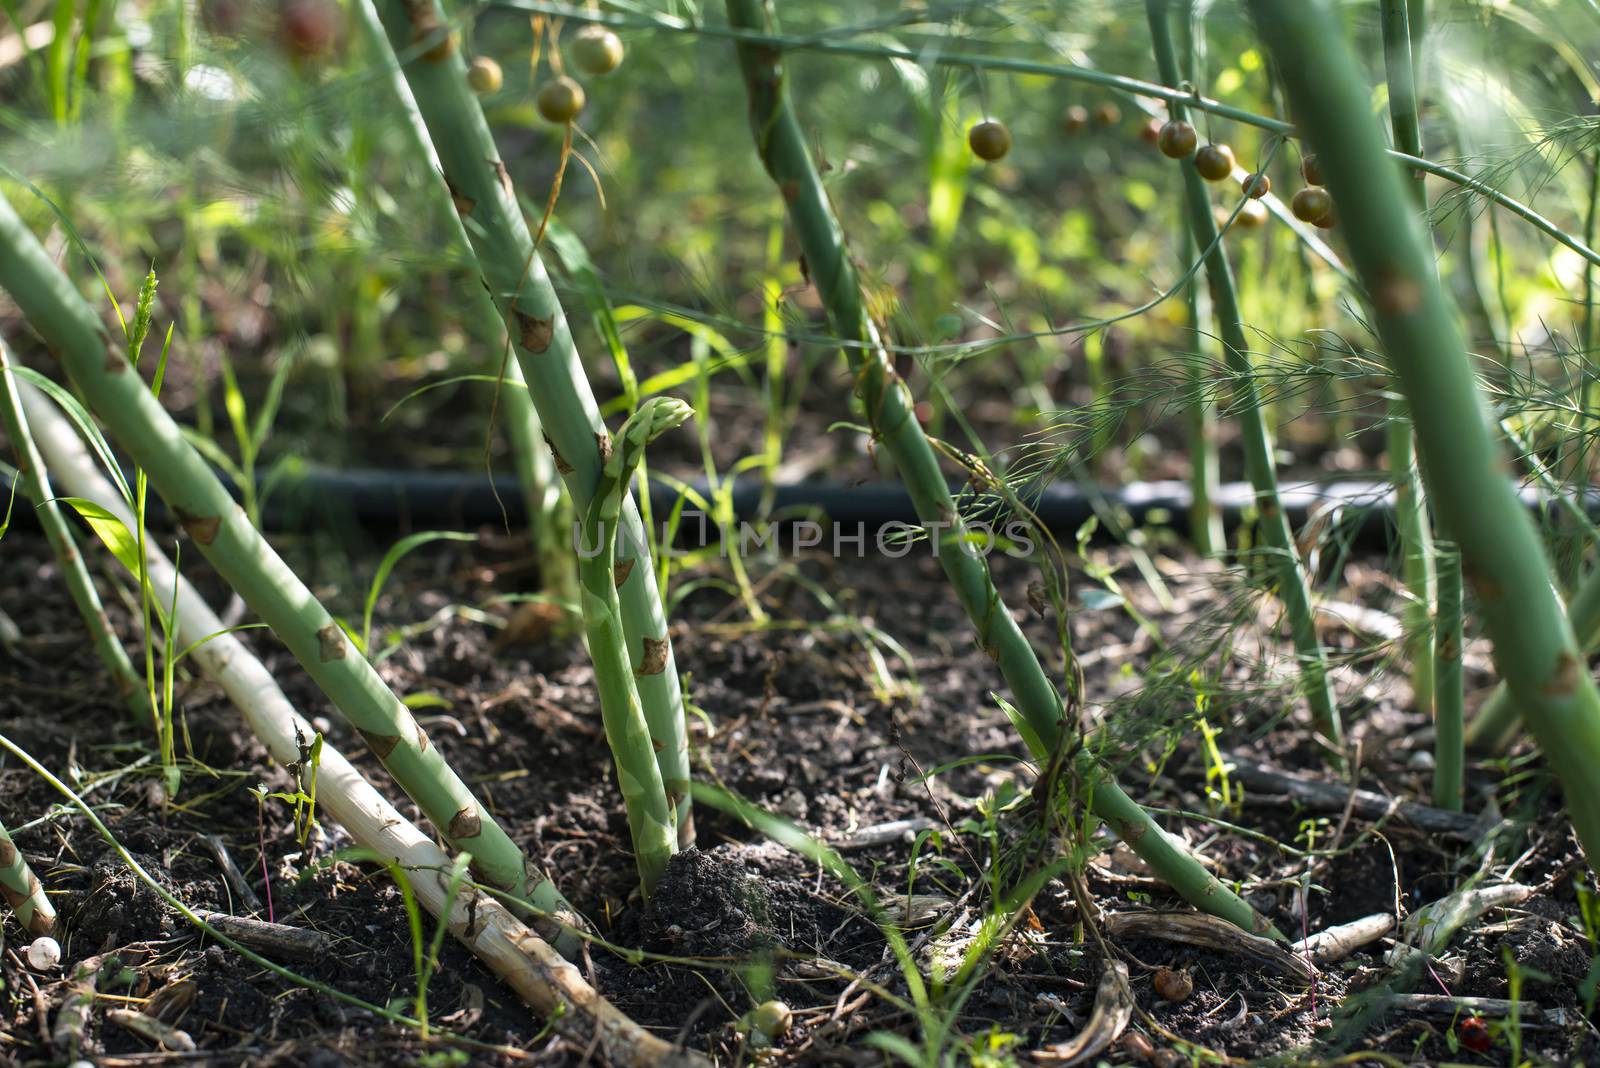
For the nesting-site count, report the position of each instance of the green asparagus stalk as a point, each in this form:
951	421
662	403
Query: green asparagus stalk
1497	722
1501	554
22	889
638	775
1411	507
1260	467
1448	746
36	483
786	154
515	275
227	539
1205	468
548	518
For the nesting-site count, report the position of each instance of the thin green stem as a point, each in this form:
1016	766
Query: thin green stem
1411	506
1205	467
36	483
1260	465
1449	744
785	151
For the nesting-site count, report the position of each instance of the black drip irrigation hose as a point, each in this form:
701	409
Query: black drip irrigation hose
1361	510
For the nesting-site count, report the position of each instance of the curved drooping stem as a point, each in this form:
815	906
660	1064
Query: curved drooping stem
786	154
1501	553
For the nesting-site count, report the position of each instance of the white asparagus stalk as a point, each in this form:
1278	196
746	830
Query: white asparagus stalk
544	979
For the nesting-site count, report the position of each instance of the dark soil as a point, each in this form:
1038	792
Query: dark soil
796	721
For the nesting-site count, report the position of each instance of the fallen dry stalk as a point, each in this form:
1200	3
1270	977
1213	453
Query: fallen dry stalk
271	939
1321	796
1199	929
1451	1005
545	980
231	872
1336	943
1113	1008
163	1034
66	1035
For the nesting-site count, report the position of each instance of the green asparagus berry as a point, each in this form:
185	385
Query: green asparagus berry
596	50
560	101
772	1018
484	76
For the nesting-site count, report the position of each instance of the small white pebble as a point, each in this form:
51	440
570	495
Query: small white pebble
44	954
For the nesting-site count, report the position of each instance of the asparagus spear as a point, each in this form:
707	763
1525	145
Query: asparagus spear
22	890
516	277
649	813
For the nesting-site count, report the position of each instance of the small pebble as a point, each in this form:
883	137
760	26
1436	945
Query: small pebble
44	954
1421	760
1138	1047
